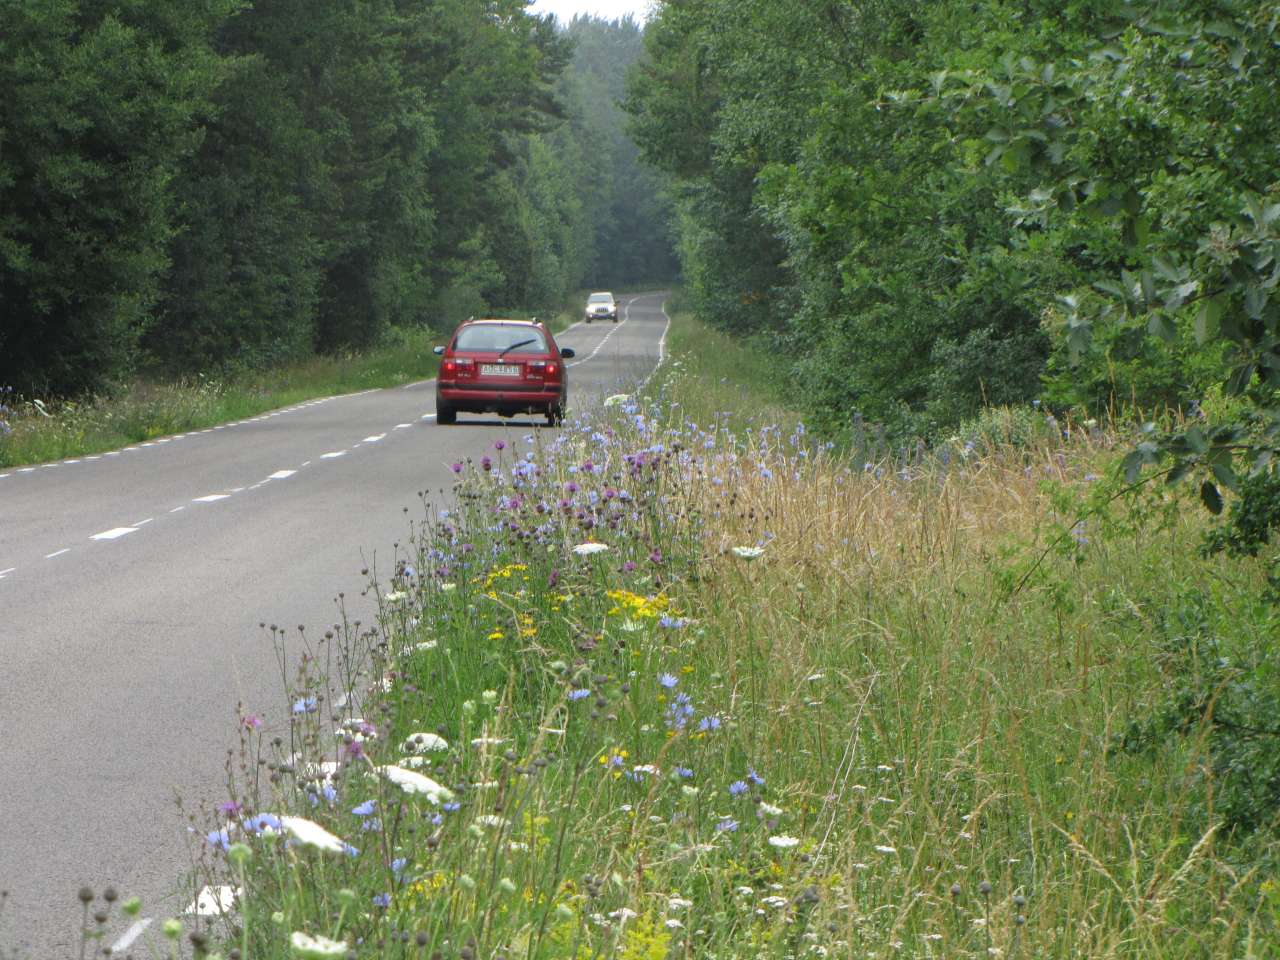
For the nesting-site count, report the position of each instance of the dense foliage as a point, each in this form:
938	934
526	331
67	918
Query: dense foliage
937	206
216	184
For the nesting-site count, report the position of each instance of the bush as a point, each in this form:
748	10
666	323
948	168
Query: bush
1227	693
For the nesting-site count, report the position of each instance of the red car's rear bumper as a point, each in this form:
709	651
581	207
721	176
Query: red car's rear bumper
487	399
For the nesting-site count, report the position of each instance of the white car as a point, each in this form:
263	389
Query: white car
602	306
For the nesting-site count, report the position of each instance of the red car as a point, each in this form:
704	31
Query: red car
504	367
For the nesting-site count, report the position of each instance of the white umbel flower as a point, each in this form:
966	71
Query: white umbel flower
411	782
783	842
424	742
315	948
587	549
311	834
747	553
214	901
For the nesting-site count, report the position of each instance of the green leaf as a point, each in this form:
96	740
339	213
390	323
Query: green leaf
1148	281
1197	441
1225	473
1159	324
1210	497
1206	324
1240	379
1132	466
1255	301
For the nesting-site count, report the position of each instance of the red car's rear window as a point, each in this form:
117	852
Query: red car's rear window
493	336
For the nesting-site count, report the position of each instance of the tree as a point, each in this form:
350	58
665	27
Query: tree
102	105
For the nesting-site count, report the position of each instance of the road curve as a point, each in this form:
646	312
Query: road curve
131	589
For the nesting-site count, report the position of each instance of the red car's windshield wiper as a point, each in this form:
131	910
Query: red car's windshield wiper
518	343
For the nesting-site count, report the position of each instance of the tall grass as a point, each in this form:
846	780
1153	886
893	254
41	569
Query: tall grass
710	690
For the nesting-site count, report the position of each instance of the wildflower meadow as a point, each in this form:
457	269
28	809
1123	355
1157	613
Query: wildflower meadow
681	681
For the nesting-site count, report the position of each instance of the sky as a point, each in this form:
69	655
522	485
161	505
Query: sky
608	9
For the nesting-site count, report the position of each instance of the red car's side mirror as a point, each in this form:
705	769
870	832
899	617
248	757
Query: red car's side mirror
567	353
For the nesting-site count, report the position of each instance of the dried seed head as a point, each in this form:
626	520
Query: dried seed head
85	895
955	890
984	888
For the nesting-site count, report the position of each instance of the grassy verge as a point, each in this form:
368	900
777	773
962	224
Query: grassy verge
662	689
145	410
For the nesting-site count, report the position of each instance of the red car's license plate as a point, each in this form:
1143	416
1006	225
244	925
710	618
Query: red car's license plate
498	370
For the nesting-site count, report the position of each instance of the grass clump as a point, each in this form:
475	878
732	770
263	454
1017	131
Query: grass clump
663	687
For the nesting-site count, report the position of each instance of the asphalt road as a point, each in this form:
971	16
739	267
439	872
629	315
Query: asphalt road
132	586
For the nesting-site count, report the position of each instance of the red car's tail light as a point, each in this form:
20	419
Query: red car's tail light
457	367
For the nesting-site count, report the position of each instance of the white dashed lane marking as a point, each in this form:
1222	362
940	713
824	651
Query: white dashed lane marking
5	573
282	474
331	456
211	498
177	509
57	553
114	533
143	523
374	439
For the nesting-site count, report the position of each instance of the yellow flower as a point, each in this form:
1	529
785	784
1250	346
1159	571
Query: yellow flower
496	635
635	605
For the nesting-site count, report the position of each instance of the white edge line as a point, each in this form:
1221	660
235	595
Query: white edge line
129	936
662	348
114	533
